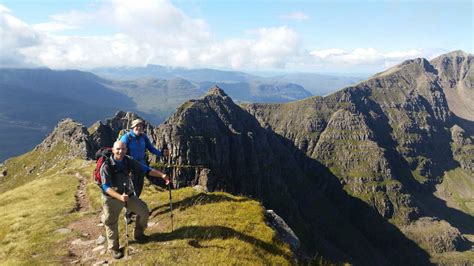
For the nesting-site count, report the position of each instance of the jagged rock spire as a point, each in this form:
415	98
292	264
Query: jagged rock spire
215	90
71	133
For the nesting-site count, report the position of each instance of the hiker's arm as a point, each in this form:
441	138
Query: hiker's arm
106	177
154	173
152	148
136	167
111	192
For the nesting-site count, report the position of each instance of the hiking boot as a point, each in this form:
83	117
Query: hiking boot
142	238
116	254
130	217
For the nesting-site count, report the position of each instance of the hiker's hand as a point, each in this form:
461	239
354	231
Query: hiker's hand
166	178
124	197
166	153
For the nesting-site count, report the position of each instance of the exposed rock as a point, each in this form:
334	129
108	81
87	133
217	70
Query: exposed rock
436	235
102	262
456	76
216	144
105	134
81	242
72	134
98	248
101	135
63	231
463	148
100	240
383	141
283	230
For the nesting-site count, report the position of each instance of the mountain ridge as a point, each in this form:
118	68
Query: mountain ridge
361	176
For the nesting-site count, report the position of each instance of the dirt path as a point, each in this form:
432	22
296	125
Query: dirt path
82	202
86	243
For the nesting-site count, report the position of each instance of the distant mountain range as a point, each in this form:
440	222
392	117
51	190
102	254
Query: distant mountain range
316	84
378	173
34	100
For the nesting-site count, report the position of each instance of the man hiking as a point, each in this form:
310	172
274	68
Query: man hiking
137	143
117	193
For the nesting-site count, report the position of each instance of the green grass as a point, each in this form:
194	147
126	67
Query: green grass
30	215
460	186
209	228
33	165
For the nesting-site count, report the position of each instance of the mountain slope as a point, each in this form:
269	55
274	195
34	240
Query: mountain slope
51	208
162	72
81	86
317	84
389	140
456	74
218	145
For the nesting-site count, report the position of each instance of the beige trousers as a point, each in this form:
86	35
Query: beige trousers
111	211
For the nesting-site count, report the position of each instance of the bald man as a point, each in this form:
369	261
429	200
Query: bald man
118	193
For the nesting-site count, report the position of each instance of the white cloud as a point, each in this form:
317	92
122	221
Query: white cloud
298	16
153	32
157	32
14	35
327	52
362	57
88	52
52	27
271	48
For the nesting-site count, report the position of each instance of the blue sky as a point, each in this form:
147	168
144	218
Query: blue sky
287	36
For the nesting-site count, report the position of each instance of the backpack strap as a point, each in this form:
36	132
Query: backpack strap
129	139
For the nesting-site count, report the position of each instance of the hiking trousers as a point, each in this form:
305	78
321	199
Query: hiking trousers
111	211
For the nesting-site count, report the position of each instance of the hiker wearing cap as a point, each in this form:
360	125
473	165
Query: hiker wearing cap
137	143
117	193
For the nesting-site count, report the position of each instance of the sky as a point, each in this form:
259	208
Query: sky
260	35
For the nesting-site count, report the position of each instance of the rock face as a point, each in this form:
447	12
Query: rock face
218	145
104	135
384	138
335	168
456	75
437	236
74	135
385	141
463	148
284	231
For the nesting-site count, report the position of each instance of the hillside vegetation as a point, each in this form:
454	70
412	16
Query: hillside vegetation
50	218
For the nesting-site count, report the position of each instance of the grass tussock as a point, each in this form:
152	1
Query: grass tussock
210	228
31	213
458	189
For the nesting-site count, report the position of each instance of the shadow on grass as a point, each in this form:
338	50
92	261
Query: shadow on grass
199	233
199	199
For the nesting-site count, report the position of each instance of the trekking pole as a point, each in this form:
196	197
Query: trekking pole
126	223
169	189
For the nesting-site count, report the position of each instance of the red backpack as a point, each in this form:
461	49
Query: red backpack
101	156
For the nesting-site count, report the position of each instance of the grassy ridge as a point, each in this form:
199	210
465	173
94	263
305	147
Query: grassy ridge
209	228
31	213
458	188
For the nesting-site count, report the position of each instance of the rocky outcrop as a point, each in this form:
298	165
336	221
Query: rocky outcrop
456	76
370	134
216	144
72	134
105	134
435	235
463	148
335	168
283	230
